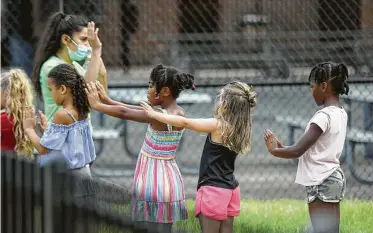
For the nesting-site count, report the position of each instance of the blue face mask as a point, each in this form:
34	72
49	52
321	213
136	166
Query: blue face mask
80	54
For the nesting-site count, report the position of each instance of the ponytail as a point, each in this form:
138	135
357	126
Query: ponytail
50	41
48	46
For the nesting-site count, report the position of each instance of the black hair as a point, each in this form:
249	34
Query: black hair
65	74
50	41
177	81
337	74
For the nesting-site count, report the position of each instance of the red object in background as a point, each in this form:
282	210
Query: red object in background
8	141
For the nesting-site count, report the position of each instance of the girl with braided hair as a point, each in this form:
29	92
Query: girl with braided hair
158	197
68	137
320	147
229	133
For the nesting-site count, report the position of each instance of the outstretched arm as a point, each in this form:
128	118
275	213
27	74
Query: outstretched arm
201	125
122	112
102	92
119	111
296	150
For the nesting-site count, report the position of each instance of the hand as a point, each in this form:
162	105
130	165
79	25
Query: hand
92	94
93	39
148	109
271	140
29	119
102	93
42	122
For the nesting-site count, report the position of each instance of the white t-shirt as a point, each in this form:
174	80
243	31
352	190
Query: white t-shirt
322	158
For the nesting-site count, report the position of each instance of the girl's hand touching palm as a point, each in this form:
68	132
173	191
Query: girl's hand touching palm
29	118
102	93
92	94
43	122
271	140
150	112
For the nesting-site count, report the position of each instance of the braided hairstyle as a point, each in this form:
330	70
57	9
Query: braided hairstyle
337	74
170	77
65	74
50	41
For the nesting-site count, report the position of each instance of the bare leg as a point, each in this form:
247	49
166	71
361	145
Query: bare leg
209	225
227	225
324	216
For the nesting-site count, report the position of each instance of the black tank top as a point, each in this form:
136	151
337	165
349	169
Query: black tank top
217	166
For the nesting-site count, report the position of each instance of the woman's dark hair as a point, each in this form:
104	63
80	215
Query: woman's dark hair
50	41
337	74
170	77
65	74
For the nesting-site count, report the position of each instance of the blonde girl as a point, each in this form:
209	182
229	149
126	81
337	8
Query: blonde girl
229	133
16	95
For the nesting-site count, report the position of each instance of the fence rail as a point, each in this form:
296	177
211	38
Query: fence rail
45	200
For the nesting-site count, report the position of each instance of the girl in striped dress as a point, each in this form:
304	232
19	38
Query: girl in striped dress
158	198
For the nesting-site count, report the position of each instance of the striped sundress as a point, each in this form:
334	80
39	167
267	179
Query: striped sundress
158	188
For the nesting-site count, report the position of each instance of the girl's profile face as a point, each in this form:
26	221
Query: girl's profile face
57	93
152	93
318	93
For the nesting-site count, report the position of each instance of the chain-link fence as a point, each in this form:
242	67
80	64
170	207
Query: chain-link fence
271	44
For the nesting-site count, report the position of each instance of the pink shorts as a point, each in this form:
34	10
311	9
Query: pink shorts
217	203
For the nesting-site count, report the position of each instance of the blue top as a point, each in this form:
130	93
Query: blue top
72	143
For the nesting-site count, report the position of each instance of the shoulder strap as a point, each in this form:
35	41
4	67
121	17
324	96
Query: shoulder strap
70	114
169	127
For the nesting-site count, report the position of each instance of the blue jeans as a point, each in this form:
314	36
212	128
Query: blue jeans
21	53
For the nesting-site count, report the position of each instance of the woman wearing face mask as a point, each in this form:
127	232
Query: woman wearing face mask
67	39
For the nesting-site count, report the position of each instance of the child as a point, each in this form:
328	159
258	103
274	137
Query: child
16	94
320	147
229	133
68	137
158	190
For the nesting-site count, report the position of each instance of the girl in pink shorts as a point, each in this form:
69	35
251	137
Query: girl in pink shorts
229	133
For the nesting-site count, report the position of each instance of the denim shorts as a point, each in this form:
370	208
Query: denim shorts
331	190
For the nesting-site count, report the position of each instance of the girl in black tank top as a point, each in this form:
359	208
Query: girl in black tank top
229	133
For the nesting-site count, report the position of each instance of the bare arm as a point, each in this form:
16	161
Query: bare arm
122	112
94	63
113	102
118	111
35	139
200	125
299	148
104	97
29	123
60	118
103	75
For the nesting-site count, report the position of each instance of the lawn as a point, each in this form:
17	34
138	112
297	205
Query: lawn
286	216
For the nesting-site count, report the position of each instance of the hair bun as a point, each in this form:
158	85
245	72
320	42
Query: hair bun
252	98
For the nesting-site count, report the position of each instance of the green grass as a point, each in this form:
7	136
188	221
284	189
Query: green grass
286	216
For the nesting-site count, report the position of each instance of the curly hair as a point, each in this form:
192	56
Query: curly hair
50	41
337	74
234	114
17	87
170	77
65	74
